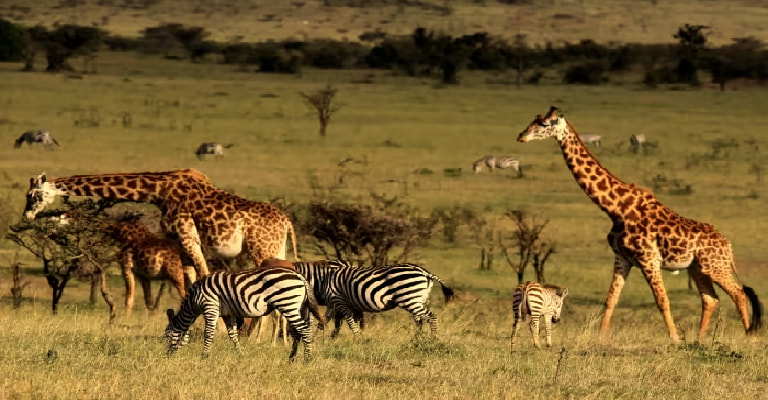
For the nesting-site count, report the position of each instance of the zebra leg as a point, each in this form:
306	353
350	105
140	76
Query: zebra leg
515	328
233	332
349	316
548	329
211	316
534	324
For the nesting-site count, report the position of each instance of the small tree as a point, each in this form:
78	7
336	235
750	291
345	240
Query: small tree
68	247
530	247
322	102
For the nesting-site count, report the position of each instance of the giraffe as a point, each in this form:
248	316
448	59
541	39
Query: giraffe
649	235
147	256
192	209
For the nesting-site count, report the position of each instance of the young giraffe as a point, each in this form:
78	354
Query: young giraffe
191	207
649	235
146	256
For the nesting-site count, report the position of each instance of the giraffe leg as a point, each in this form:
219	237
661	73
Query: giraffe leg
190	241
621	268
652	271
709	300
146	286
129	283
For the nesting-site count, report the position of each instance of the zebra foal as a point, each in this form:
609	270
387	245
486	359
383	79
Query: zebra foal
497	162
349	291
251	293
536	300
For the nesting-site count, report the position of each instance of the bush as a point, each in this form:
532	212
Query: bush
590	73
11	41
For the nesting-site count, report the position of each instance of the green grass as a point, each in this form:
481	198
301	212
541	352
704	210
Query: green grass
277	147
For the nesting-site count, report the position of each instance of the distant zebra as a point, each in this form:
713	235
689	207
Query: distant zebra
500	162
251	293
40	136
591	139
637	142
350	291
536	300
215	149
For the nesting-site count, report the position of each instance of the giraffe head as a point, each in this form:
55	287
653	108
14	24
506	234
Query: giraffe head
40	194
545	126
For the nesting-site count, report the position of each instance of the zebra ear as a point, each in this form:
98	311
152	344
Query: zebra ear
169	312
564	292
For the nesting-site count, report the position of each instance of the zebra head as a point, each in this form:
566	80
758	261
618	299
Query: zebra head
39	195
543	127
559	297
174	334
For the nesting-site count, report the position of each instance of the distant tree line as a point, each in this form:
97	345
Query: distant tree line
424	53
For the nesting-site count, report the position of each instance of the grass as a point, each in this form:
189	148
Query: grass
277	148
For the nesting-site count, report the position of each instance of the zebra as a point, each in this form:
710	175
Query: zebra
40	136
215	149
637	142
500	162
537	300
591	139
349	291
251	293
313	271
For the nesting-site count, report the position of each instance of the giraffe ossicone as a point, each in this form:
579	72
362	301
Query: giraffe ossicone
649	235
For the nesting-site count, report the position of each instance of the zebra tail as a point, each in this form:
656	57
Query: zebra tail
757	310
448	293
56	142
524	304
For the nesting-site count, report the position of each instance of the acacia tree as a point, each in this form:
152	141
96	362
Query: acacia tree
531	248
322	102
68	247
387	231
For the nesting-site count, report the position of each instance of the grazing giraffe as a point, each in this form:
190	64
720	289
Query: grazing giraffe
649	235
147	256
192	208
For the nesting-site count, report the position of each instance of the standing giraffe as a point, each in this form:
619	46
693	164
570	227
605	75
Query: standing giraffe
147	256
191	207
649	235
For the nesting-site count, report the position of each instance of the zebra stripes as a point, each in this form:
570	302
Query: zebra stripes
494	162
349	291
536	300
251	293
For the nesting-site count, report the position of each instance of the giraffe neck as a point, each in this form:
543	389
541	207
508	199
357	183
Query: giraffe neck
145	187
605	189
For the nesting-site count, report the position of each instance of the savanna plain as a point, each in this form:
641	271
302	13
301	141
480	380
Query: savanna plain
406	132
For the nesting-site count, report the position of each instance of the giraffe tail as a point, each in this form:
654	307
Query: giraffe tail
757	311
293	240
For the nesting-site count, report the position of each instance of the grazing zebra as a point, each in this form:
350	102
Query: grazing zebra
313	271
40	136
215	149
500	162
637	142
591	139
349	291
250	293
537	300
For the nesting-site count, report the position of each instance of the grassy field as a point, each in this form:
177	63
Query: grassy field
399	126
625	21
